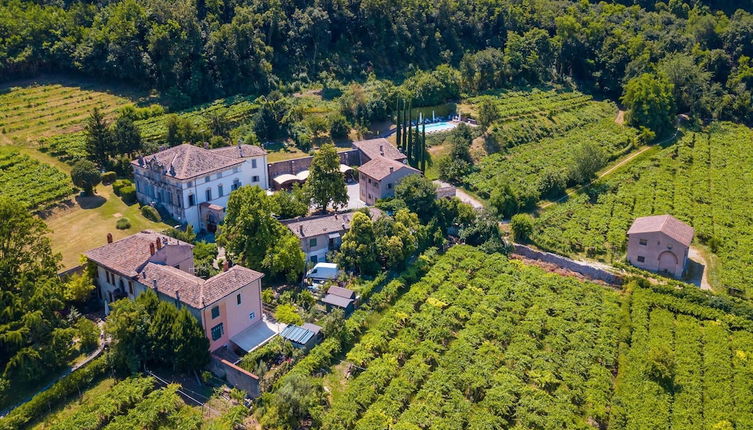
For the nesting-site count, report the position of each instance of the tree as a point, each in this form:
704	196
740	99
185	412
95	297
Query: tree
650	103
86	176
487	113
521	226
190	343
99	141
419	194
287	314
587	160
338	126
291	204
285	258
358	251
326	184
126	135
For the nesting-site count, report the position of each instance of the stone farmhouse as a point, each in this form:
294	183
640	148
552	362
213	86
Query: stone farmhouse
383	166
321	234
227	305
192	183
660	243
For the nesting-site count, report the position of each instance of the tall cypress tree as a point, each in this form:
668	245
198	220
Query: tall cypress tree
423	148
406	135
410	153
398	122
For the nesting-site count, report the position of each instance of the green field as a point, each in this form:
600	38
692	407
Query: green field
30	182
705	179
29	112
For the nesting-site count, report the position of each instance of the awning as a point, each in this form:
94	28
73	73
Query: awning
285	178
334	235
257	335
302	176
344	168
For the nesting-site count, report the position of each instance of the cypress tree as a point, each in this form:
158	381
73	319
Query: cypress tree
423	148
411	151
398	122
407	126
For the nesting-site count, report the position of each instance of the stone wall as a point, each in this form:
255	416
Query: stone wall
568	264
291	167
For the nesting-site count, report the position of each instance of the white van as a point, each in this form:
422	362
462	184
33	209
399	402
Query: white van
323	272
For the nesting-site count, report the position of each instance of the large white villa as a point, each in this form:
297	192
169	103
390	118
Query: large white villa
193	183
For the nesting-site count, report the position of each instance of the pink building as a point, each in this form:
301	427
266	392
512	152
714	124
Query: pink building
227	305
379	177
659	243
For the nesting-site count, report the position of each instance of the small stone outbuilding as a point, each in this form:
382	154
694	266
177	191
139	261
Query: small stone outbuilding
659	243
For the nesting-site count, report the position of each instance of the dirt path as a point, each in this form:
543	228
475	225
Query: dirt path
703	280
620	119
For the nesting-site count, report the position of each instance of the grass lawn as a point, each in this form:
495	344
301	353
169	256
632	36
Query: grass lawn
85	226
101	389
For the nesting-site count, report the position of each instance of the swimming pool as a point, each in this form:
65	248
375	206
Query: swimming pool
439	126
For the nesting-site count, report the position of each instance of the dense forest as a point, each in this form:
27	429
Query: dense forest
196	51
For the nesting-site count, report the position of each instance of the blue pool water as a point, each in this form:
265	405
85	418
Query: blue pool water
440	126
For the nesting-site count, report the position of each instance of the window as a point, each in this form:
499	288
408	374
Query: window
369	180
130	287
220	191
236	169
190	184
312	242
253	164
215	312
255	179
238	299
643	242
314	259
217	331
191	200
208	178
389	186
107	275
641	259
209	194
252	315
236	184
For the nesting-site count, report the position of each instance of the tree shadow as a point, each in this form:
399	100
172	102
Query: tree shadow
90	202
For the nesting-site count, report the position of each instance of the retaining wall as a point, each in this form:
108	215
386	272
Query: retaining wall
568	264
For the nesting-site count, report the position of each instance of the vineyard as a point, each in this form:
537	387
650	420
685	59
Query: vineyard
705	180
524	167
27	181
483	342
688	366
71	147
45	110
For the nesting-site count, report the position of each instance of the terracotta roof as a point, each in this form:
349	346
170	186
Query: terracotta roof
375	148
379	168
324	224
192	290
240	151
128	255
666	224
187	161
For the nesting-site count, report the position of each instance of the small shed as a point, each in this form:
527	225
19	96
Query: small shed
342	298
304	337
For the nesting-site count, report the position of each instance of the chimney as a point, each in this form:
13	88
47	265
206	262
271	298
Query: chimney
154	285
381	150
158	243
151	248
177	298
225	266
109	237
300	227
392	169
206	145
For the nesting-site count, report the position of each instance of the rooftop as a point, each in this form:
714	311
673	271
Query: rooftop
189	161
323	224
340	302
240	151
376	148
341	292
380	167
128	256
666	224
300	334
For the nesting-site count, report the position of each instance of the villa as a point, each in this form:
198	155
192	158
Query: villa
192	183
227	305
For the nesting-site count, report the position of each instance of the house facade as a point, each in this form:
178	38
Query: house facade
192	184
226	304
321	234
660	244
379	177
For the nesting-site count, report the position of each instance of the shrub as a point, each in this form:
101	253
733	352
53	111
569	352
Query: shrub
338	127
522	227
118	186
288	315
108	178
128	194
85	175
122	223
151	213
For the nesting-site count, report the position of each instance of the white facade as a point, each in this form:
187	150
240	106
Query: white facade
182	198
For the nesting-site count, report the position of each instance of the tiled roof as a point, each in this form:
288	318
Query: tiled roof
128	255
187	161
340	302
666	224
375	148
193	290
240	151
379	168
323	224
